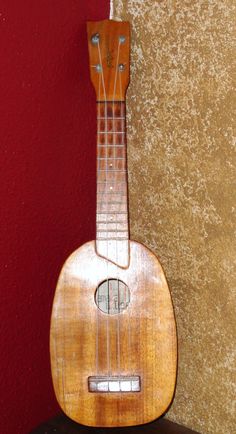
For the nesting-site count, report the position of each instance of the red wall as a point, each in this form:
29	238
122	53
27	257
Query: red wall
47	186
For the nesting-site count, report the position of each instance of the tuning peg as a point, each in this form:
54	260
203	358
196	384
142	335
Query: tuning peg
122	39
98	67
95	39
121	67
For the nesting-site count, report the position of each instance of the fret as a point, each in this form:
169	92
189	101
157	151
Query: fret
106	159
118	217
104	197
109	177
111	132
110	198
114	145
110	203
107	191
111	222
111	193
112	212
109	138
107	171
112	226
112	238
111	164
112	233
111	171
110	182
112	230
109	174
109	210
113	207
110	125
111	119
111	217
111	152
106	202
101	189
114	193
118	236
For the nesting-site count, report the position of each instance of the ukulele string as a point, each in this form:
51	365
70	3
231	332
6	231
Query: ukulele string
116	183
98	177
106	194
124	167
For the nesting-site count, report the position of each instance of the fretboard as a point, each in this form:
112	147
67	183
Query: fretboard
112	232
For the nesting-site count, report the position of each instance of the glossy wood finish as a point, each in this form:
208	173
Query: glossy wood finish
109	53
139	341
63	425
85	341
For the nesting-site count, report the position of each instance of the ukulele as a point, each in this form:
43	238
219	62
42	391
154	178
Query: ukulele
113	335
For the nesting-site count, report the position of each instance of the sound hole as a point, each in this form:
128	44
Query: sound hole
112	296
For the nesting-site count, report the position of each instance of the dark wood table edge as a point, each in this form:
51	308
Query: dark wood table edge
61	424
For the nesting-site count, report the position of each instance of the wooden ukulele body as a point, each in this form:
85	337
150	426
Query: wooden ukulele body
139	341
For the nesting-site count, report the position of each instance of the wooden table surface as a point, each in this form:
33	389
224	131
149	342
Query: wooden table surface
63	425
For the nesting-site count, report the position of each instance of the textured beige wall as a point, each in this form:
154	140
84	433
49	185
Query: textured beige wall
182	193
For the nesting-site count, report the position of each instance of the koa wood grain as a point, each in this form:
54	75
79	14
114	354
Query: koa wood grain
113	335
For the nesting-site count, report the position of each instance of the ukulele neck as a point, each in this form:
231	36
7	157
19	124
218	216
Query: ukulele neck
109	48
112	229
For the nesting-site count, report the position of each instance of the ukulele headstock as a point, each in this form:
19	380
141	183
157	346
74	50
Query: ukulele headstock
109	53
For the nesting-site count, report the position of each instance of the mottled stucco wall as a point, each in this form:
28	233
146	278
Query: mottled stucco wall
182	194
